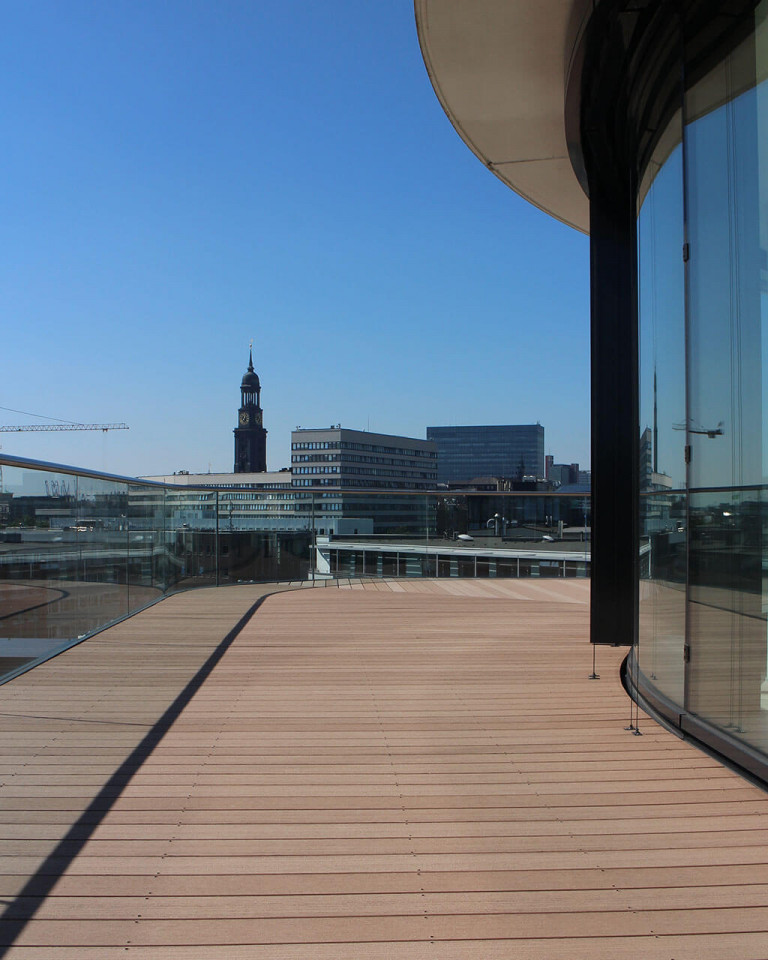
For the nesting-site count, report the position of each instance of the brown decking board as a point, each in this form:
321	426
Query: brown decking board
382	771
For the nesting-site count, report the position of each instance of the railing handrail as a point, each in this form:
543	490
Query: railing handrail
7	460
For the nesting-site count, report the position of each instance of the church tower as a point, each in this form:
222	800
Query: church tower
250	435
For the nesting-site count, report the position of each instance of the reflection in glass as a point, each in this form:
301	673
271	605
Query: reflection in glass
79	550
661	335
703	368
63	561
726	182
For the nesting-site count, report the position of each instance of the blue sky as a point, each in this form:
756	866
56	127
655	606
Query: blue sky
181	177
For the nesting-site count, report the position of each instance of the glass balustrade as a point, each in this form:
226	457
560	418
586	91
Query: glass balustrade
80	550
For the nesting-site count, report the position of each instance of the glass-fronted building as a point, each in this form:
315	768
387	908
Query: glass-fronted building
512	451
645	124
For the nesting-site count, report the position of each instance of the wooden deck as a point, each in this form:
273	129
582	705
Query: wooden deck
399	771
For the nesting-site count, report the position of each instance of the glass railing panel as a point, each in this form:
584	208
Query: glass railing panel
103	579
189	535
149	572
63	560
250	555
79	549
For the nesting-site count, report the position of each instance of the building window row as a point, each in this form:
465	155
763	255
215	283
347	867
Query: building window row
256	506
370	447
352	458
227	497
387	484
315	457
378	472
316	469
316	482
401	451
355	458
320	508
316	445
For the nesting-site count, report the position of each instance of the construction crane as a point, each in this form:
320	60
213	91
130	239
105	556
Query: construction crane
55	427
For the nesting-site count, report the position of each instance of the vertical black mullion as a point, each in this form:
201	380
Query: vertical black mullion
687	336
615	429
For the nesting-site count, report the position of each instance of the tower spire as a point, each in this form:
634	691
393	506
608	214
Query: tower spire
250	435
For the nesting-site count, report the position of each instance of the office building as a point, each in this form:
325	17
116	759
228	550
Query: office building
513	452
644	124
357	460
346	462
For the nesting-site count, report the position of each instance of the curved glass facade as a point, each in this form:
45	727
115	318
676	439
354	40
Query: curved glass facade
702	274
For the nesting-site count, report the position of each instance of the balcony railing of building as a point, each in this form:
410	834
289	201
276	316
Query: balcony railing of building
80	549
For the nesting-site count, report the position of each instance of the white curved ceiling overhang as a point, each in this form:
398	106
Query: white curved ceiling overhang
499	69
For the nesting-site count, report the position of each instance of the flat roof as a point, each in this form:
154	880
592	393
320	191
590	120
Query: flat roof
368	434
499	70
488	426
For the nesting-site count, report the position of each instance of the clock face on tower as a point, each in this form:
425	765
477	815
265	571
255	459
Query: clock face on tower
257	417
244	419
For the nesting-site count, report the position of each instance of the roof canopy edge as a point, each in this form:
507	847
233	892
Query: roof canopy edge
499	71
